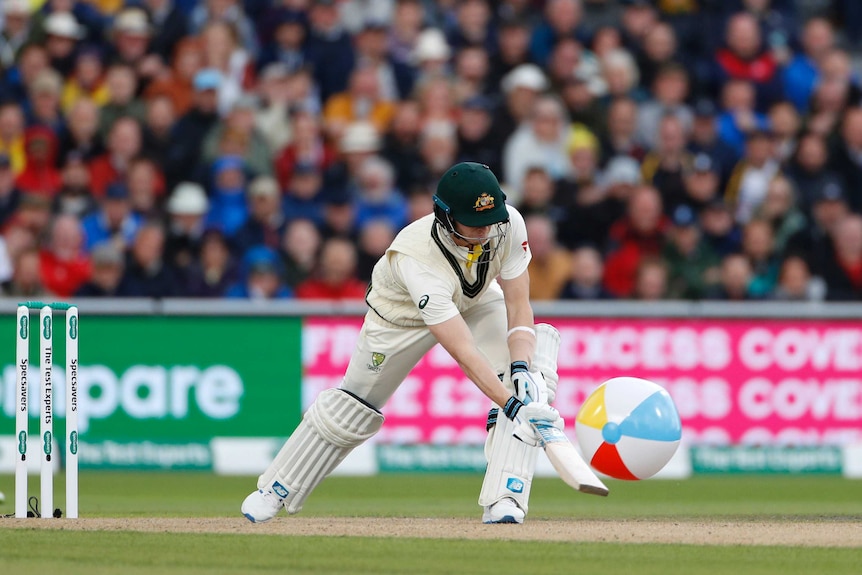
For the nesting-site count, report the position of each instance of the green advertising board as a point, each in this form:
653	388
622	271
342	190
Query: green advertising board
154	390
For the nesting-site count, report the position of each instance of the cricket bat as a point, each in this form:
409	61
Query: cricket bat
567	461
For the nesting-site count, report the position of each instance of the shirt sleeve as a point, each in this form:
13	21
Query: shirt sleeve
517	255
431	293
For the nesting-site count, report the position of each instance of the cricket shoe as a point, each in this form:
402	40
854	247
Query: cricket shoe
262	505
503	511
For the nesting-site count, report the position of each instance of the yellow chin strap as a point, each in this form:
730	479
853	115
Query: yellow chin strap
473	255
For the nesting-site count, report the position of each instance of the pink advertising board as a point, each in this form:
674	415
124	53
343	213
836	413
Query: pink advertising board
733	381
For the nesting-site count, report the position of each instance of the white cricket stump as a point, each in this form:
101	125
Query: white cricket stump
72	412
46	410
22	364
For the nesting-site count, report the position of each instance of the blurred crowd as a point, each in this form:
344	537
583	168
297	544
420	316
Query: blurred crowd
658	149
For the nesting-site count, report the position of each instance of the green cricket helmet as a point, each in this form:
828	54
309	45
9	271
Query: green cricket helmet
470	194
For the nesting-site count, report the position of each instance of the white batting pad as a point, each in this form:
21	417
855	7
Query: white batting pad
545	359
334	424
511	464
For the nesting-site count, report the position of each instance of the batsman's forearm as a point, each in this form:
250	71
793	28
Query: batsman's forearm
480	373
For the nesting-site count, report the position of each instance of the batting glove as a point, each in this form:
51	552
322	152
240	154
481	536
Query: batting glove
530	415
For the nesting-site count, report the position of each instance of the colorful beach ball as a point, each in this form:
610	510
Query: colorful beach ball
628	428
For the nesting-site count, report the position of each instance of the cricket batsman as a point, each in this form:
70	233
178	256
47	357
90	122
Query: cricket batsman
457	277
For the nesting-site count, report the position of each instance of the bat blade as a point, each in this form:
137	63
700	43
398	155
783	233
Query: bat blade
568	463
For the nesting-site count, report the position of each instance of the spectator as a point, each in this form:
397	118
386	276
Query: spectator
538	196
237	135
107	278
513	41
147	274
130	43
705	140
374	239
265	222
739	118
362	102
223	53
14	32
734	280
542	140
169	27
669	93
660	49
809	168
63	32
472	26
288	46
779	209
87	80
521	88
845	158
214	272
146	188
758	245
63	263
639	234
795	282
784	123
114	221
298	250
751	176
231	13
308	147
621	76
190	130
272	115
228	207
621	138
124	144
582	106
843	271
665	167
585	282
377	197
335	277
75	195
372	49
122	83
692	265
471	73
591	210
475	142
177	82
651	281
744	57
187	208
27	276
260	277
329	49
44	110
550	266
157	132
40	177
561	19
438	145
82	136
32	61
701	182
802	72
813	242
836	90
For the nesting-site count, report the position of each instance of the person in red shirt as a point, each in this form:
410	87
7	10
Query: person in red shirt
124	145
637	235
64	265
40	176
336	274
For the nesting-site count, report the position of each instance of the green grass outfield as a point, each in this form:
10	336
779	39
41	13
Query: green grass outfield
717	499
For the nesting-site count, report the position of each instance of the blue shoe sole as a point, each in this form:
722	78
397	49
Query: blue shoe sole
504	519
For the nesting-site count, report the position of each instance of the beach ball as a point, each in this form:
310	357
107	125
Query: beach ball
628	428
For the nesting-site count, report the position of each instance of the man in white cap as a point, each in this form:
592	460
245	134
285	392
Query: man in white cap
63	32
187	208
521	87
14	30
